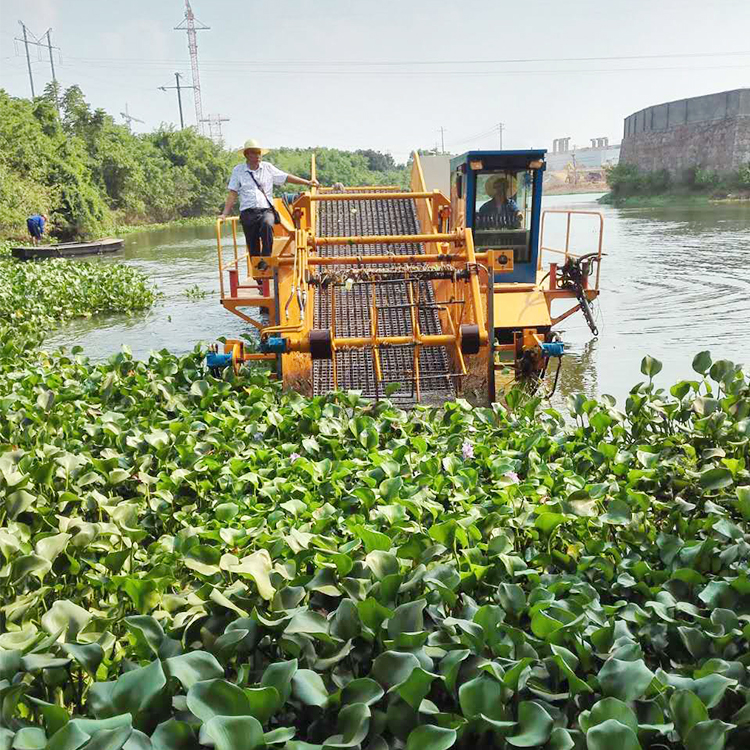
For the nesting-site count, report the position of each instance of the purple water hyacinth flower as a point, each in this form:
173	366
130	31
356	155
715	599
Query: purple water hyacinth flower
512	476
468	450
294	457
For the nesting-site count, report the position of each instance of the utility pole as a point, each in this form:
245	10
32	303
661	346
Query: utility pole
128	117
52	68
189	25
28	58
36	43
179	96
500	127
214	126
442	139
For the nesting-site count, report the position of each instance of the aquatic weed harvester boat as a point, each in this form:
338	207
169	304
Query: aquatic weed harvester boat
411	294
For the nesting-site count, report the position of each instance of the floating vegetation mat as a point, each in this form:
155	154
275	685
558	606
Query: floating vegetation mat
188	561
45	292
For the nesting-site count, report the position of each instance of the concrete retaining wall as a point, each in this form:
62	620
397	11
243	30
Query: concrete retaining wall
711	132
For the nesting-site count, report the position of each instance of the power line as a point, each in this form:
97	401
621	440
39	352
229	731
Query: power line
373	63
231	71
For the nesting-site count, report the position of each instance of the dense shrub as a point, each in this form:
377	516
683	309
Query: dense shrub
626	180
88	173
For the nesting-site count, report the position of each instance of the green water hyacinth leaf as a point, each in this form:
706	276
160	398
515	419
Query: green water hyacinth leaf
233	732
686	710
55	717
173	735
353	725
363	690
708	735
612	734
535	726
256	567
18	502
407	618
66	617
716	479
70	737
264	702
415	687
392	667
373	540
193	667
30	738
431	738
611	708
482	696
217	697
277	736
279	676
702	362
110	739
548	522
131	693
626	680
309	688
650	367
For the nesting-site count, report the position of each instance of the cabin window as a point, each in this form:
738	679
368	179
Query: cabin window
502	212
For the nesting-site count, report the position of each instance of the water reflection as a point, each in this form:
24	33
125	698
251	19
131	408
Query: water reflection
176	259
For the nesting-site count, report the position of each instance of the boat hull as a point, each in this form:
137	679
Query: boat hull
67	249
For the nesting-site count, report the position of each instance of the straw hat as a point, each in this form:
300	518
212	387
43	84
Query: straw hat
253	144
491	185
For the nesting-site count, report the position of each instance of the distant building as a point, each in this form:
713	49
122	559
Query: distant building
712	132
599	154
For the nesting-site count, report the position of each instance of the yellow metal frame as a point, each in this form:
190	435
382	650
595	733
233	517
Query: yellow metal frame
462	296
295	263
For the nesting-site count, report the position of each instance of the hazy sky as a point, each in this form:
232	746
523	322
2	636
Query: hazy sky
313	72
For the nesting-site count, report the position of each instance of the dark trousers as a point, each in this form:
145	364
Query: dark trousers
257	223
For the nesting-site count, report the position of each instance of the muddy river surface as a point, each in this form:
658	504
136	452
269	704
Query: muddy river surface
674	280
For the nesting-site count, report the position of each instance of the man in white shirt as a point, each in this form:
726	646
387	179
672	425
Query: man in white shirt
253	180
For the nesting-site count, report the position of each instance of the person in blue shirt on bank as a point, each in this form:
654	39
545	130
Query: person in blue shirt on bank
253	181
501	211
35	225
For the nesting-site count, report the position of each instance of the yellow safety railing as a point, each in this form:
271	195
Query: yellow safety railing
566	252
233	263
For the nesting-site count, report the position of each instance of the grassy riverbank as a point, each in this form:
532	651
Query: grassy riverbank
632	187
651	201
197	221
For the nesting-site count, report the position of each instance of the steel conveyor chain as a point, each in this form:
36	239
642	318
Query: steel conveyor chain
355	369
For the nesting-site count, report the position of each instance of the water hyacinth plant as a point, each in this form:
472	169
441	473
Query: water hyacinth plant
46	292
190	561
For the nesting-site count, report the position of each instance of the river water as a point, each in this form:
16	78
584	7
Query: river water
674	280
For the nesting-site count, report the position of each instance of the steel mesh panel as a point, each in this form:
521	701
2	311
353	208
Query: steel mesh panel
355	368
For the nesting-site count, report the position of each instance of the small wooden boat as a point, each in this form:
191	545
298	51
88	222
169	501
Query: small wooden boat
68	249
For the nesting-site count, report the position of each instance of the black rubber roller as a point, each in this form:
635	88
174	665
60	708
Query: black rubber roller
320	343
469	339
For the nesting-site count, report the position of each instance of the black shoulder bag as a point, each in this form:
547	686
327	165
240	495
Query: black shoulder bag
276	217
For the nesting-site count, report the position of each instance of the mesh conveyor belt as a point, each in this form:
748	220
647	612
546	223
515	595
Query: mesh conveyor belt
355	370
